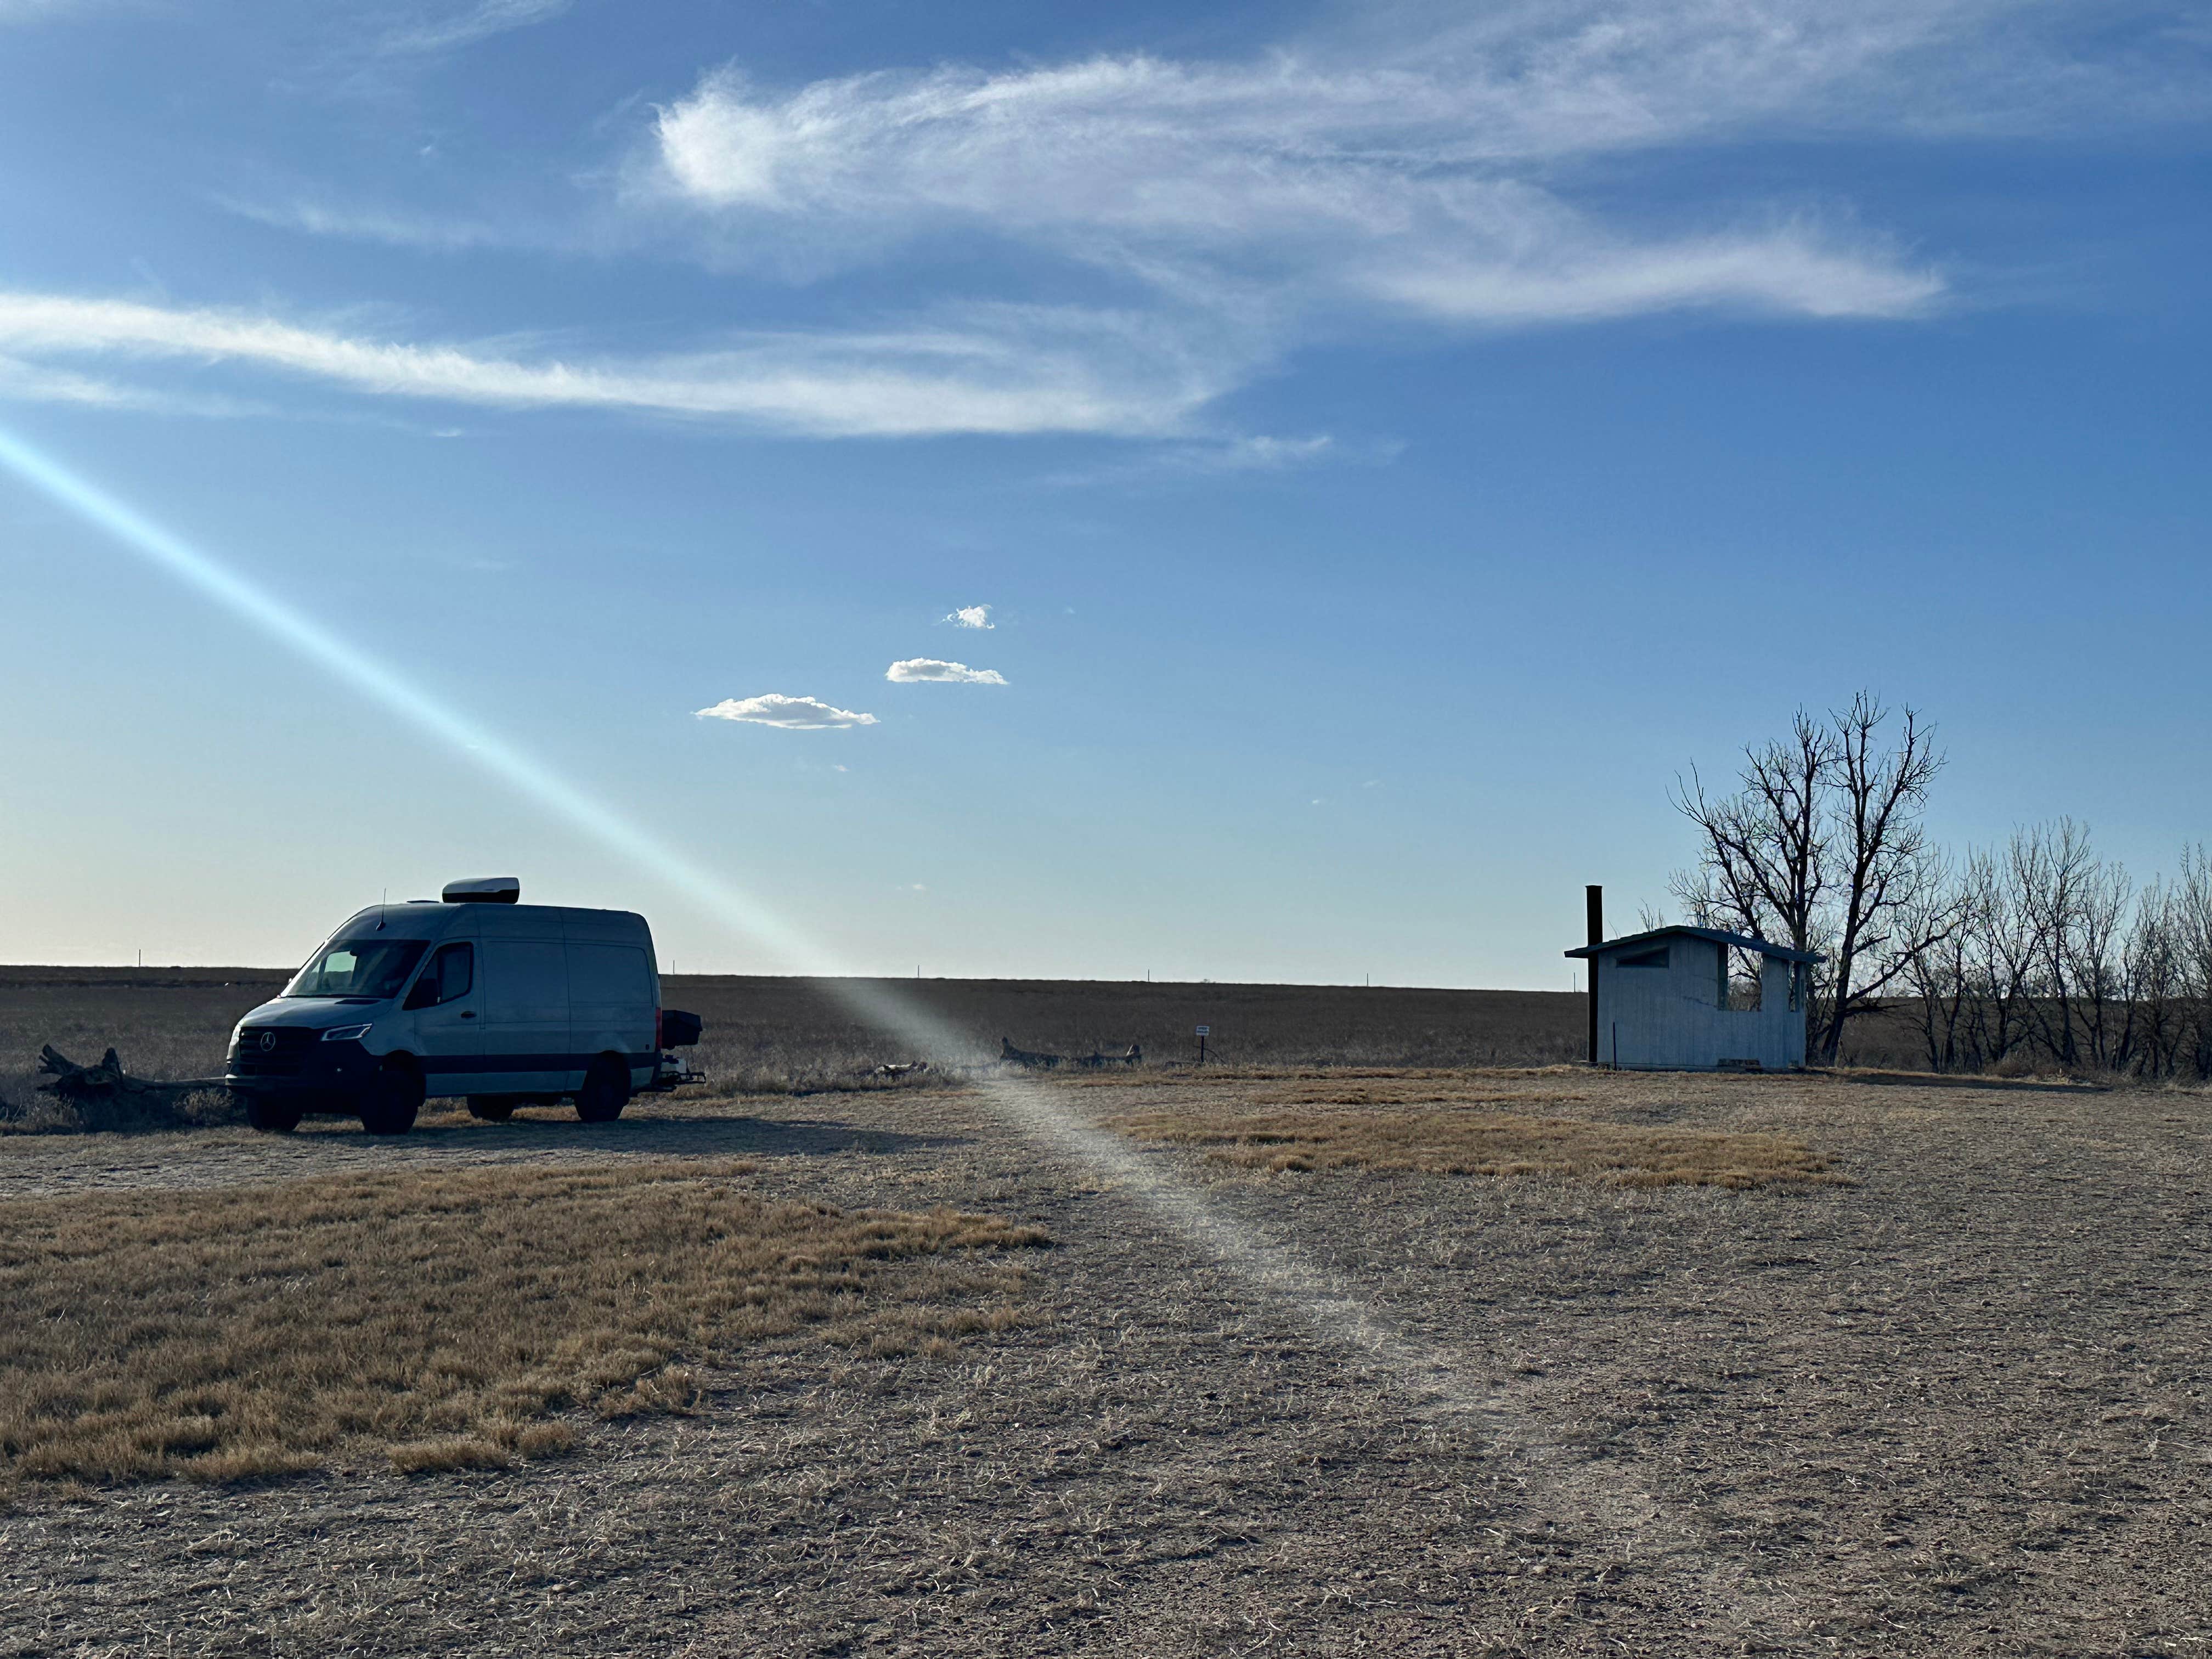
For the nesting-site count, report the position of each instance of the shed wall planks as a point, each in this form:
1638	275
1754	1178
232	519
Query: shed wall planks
1671	1019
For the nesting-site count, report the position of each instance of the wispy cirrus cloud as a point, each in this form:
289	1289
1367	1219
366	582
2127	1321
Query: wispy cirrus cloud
1006	370
40	11
449	29
1419	175
1409	164
934	670
33	384
792	714
395	228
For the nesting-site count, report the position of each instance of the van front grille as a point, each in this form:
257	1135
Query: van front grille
271	1050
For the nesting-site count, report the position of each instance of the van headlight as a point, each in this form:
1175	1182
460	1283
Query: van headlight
345	1034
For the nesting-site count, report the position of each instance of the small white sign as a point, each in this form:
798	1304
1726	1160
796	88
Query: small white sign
1205	1030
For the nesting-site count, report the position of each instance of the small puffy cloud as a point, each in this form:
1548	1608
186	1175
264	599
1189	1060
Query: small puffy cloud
916	669
972	616
793	713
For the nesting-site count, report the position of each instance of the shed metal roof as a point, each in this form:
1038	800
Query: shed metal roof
1764	947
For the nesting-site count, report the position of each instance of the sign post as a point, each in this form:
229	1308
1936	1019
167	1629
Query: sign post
1204	1032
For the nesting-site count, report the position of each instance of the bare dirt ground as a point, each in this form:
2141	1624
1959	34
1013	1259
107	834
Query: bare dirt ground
1955	1405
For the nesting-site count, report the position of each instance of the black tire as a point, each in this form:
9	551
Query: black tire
605	1090
273	1116
492	1109
394	1095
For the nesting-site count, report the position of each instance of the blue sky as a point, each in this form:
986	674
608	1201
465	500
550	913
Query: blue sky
1387	443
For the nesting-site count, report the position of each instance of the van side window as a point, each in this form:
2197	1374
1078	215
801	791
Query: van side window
450	976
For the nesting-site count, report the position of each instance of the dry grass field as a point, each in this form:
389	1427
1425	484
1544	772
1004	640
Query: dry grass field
1435	1122
1851	1363
436	1319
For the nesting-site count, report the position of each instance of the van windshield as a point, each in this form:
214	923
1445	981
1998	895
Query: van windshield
371	968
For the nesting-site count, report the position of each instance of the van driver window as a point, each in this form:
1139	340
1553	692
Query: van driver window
368	969
449	977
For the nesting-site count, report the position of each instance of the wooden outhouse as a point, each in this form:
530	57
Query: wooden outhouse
1661	1001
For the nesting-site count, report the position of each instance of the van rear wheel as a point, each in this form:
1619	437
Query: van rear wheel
393	1096
492	1109
605	1090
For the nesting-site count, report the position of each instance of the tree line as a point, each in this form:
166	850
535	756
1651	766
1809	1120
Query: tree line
2036	951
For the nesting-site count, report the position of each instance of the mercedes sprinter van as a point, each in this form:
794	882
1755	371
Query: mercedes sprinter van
478	995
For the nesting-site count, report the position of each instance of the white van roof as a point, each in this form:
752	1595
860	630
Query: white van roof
541	921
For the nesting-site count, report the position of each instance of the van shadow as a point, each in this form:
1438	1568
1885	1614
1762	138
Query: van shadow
676	1137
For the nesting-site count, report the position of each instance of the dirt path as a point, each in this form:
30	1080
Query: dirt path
1954	1408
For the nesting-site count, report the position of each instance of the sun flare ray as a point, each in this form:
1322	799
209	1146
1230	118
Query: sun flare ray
1325	1301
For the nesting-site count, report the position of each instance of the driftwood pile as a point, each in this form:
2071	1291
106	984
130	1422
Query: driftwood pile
107	1090
1014	1056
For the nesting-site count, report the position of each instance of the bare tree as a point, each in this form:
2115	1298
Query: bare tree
2004	945
1888	868
1764	859
2191	924
1944	978
2096	968
2050	868
1823	845
2154	985
2038	950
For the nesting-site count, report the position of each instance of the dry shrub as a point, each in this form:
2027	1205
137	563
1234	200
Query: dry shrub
438	1318
453	1451
1476	1141
25	1109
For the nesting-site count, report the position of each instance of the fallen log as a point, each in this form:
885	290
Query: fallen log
1096	1061
108	1085
1014	1056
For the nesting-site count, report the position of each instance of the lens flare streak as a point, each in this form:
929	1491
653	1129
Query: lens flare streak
1322	1300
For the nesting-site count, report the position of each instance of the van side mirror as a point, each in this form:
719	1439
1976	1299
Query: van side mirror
424	995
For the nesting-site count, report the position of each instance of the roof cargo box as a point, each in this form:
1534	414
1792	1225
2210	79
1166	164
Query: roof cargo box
484	889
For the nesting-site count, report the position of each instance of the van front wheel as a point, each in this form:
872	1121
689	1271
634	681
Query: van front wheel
394	1095
605	1090
272	1117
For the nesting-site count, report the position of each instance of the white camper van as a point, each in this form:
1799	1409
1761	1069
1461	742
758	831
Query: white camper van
508	1004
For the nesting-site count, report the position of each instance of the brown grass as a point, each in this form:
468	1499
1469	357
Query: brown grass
436	1319
1365	1132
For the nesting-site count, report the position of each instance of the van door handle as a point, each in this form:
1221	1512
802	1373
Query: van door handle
468	1013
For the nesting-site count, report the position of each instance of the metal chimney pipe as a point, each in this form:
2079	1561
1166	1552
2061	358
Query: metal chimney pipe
1594	900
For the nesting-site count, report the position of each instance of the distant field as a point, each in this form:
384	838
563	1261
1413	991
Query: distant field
764	1032
764	1027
